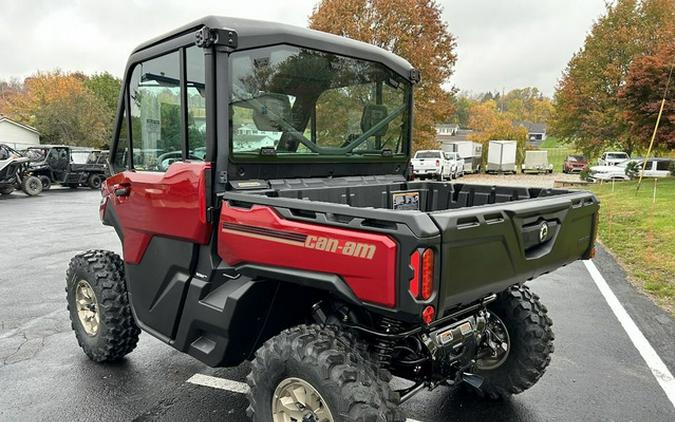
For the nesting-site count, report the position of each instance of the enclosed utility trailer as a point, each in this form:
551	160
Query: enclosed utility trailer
502	157
471	152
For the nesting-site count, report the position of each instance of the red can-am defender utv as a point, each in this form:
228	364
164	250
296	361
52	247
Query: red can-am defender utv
259	190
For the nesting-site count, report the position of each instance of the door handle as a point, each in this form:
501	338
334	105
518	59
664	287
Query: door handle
121	190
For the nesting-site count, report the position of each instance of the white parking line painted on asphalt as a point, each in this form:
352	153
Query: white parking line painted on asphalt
654	362
229	385
220	383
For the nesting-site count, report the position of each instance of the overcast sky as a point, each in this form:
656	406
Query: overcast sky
501	44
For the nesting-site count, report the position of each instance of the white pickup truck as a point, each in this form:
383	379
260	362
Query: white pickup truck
437	164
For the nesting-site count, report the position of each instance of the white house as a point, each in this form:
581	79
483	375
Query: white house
17	135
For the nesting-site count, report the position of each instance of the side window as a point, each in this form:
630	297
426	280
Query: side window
121	158
663	165
154	91
196	103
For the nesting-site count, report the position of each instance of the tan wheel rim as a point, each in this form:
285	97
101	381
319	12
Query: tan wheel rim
87	307
297	400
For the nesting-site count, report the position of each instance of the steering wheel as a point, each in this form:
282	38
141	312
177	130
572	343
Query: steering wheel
165	160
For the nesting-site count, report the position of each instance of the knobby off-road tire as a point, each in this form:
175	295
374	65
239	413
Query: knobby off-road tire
31	186
351	386
116	334
531	344
46	182
94	181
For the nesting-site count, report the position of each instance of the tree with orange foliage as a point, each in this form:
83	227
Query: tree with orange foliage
488	124
588	107
414	30
642	95
61	108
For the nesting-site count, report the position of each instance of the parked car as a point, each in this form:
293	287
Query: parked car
67	166
318	264
574	164
14	173
456	164
431	164
536	162
656	167
612	158
471	152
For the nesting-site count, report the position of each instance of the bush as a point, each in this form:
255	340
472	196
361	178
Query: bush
583	175
633	169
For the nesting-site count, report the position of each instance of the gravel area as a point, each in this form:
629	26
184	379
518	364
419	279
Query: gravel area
530	180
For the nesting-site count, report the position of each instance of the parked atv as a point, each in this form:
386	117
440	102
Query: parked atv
67	166
14	173
296	242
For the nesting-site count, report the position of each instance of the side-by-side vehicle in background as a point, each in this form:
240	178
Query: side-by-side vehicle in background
296	242
14	173
67	166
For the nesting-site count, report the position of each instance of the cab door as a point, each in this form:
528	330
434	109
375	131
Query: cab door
156	198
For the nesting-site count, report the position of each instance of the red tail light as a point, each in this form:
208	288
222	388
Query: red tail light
438	163
428	314
427	273
415	280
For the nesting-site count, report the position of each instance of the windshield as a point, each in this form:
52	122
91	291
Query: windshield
617	156
289	101
79	157
575	158
428	154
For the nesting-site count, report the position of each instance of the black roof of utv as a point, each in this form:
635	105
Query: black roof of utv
254	33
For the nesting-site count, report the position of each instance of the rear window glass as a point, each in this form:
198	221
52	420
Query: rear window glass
619	155
428	154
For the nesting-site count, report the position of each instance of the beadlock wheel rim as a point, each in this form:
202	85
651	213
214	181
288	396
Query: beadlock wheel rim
87	307
295	399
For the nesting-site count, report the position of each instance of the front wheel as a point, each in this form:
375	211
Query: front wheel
310	373
99	308
518	346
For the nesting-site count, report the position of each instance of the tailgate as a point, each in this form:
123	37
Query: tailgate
425	163
487	248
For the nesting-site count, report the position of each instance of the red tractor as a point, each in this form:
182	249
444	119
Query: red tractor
259	189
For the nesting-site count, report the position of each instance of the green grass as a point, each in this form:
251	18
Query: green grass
642	234
553	142
556	156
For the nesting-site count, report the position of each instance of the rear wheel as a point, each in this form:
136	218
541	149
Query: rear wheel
31	186
518	345
7	190
99	308
46	182
310	373
94	181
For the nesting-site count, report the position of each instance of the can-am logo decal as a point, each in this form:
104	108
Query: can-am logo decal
319	243
349	248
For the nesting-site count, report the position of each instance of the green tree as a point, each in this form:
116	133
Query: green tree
106	87
413	29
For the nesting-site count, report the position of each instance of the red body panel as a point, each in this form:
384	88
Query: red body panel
170	204
366	261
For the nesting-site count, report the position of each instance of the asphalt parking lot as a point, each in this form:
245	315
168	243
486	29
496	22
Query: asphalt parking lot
597	373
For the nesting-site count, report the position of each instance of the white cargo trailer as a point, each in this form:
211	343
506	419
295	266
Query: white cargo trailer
502	157
471	152
537	162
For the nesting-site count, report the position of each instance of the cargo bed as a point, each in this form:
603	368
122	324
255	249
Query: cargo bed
486	237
